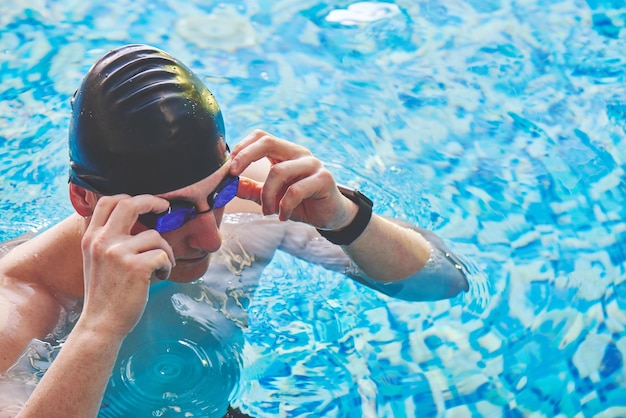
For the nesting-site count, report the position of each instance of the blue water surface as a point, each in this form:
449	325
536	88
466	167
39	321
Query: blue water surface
499	124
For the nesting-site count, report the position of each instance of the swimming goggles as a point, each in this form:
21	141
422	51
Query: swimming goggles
181	211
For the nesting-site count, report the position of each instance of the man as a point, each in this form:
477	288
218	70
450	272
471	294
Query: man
150	177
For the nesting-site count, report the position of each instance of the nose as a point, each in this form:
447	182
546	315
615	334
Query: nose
204	233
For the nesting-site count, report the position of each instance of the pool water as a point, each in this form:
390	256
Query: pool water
498	124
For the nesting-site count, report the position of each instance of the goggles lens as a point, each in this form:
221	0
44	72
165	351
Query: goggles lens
180	211
224	193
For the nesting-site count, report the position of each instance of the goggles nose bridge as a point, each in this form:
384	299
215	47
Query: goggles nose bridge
181	212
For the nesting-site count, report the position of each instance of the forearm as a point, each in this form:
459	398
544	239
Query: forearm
76	381
386	252
405	262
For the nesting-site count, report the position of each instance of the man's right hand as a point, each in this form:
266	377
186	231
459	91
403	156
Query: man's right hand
119	260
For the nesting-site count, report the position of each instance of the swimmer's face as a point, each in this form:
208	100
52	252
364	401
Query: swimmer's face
195	241
182	211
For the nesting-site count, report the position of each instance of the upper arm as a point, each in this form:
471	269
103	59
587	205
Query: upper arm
27	311
442	277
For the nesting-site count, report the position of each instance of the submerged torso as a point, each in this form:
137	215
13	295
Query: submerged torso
192	332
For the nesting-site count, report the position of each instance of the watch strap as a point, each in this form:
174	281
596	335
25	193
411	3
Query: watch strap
350	233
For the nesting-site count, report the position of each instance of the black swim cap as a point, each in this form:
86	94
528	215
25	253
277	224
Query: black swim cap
142	122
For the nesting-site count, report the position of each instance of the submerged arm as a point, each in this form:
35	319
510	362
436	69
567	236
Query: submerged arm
392	257
298	187
75	383
420	265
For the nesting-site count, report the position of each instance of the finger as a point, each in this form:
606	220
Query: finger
157	262
249	190
250	138
260	144
258	170
297	192
150	248
281	176
103	209
150	240
253	136
126	212
123	247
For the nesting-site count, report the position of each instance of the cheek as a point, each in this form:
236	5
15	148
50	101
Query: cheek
170	237
218	213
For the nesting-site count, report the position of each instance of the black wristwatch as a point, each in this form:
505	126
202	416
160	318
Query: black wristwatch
347	235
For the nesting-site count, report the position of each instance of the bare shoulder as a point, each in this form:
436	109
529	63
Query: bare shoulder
27	311
34	273
52	259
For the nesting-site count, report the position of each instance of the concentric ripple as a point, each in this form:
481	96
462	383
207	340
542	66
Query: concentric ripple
168	370
172	378
182	359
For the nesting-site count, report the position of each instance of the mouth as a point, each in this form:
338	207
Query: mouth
192	260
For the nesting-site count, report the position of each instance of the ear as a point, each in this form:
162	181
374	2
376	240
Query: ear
83	200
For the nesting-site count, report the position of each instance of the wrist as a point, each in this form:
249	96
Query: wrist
349	233
92	331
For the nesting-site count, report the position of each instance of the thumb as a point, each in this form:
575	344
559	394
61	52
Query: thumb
249	190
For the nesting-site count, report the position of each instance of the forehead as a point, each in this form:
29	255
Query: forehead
201	188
